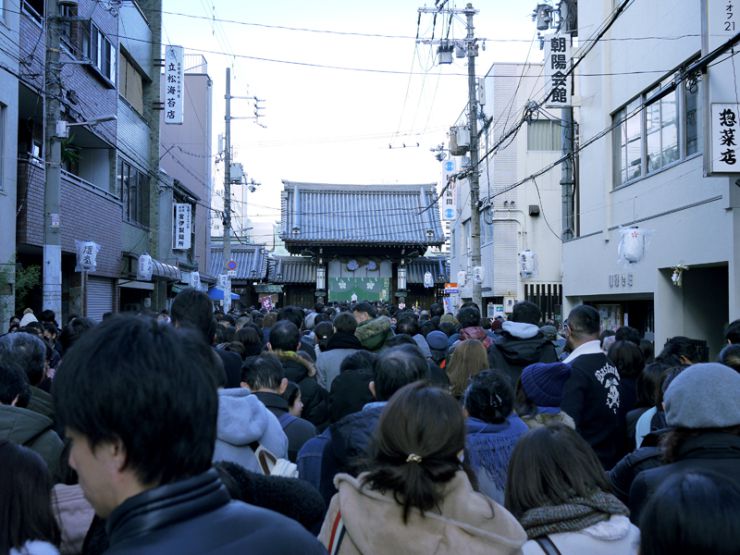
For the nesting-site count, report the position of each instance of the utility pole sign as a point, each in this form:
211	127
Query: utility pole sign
557	63
174	82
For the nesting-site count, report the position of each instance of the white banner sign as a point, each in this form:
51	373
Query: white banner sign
87	253
725	137
145	267
449	210
182	227
722	21
557	63
174	84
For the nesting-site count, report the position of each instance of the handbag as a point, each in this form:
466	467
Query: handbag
547	545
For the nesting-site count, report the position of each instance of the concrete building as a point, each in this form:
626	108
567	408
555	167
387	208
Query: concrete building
523	220
9	68
186	158
649	174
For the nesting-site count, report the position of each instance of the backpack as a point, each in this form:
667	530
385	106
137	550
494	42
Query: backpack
270	465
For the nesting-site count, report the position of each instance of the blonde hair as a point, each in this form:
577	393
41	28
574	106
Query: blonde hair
468	359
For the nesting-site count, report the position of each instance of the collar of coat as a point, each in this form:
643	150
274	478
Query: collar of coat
292	356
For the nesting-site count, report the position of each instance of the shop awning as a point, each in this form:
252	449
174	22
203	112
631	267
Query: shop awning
218	294
165	271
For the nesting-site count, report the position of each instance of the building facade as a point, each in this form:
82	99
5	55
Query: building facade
521	224
657	230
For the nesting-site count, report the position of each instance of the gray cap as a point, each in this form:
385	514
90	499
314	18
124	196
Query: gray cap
705	395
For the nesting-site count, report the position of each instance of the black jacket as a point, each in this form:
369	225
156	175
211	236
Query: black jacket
232	367
350	437
196	516
715	452
314	397
298	430
592	398
512	354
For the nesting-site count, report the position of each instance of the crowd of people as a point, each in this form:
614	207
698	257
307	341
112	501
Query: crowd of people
362	428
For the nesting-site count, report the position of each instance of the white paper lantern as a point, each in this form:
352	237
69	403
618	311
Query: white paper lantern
478	274
632	245
144	268
461	278
428	280
526	263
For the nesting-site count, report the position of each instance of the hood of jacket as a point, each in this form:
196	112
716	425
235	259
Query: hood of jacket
296	367
343	340
242	418
22	425
351	435
521	351
520	330
467	522
373	333
616	528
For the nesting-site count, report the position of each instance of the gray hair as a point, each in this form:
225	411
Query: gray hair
26	350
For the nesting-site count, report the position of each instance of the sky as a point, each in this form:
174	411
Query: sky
330	125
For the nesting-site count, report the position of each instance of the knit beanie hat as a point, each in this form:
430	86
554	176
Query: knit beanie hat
438	340
705	395
448	318
543	383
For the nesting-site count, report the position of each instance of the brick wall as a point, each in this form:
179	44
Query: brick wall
86	215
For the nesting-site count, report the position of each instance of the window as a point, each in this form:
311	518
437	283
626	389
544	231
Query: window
131	84
134	186
544	134
658	128
102	54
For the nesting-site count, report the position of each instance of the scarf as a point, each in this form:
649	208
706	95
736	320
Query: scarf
342	340
476	332
577	514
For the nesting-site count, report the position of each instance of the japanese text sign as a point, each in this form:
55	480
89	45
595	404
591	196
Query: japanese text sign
557	64
87	253
182	227
725	137
722	21
174	83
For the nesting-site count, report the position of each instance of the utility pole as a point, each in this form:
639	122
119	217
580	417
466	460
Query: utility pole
227	193
473	176
567	170
52	251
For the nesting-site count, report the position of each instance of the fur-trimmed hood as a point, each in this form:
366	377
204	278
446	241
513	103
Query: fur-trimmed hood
374	333
296	367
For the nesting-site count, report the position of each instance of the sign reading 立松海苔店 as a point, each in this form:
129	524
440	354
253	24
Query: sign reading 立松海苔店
174	84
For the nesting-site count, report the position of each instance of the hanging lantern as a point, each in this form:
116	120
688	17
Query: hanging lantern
478	274
461	275
87	252
320	278
526	264
428	280
401	278
632	244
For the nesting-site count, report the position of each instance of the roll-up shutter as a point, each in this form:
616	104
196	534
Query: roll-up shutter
99	297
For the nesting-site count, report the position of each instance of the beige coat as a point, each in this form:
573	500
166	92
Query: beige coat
467	522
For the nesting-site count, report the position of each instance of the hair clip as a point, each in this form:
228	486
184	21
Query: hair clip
413	458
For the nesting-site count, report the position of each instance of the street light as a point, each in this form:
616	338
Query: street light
62	127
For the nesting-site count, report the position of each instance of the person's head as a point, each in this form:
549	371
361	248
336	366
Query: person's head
468	358
25	499
413	461
541	385
345	323
550	466
526	312
264	373
395	368
691	513
195	309
138	400
292	395
292	314
269	320
436	309
628	333
648	384
732	333
284	336
582	326
438	344
680	350
730	356
324	331
489	397
28	351
407	324
468	317
607	339
448	328
14	388
363	312
648	350
360	360
627	357
251	338
75	328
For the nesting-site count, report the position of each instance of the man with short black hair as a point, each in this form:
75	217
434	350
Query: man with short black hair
409	325
29	352
284	342
521	342
470	328
364	311
195	309
341	344
593	393
141	409
732	333
265	378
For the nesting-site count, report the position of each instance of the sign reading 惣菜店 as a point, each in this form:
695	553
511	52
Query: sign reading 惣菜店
174	84
725	132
